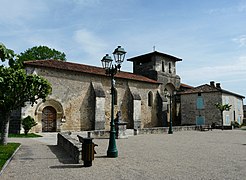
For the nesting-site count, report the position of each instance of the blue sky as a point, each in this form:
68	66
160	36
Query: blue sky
210	36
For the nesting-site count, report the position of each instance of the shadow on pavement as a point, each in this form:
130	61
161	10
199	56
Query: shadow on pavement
61	155
67	166
101	156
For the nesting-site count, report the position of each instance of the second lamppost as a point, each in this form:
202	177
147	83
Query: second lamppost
111	70
170	131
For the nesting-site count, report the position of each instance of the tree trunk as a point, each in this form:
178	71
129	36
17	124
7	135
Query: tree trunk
5	129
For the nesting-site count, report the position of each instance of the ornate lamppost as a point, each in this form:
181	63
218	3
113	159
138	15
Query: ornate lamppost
111	70
167	94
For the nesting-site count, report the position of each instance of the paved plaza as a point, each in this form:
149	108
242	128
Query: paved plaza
183	155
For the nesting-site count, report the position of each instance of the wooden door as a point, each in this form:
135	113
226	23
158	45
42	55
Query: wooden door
49	119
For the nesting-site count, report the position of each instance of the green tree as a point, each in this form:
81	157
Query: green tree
27	123
222	108
17	88
7	54
40	53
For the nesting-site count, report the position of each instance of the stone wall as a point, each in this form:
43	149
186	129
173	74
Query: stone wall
163	130
189	110
86	101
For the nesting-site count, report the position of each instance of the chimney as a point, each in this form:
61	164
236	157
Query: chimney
218	85
212	84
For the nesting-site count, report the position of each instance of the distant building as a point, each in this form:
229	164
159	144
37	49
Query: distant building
198	105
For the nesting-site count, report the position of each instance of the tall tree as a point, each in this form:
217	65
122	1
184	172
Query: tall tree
222	108
17	88
40	53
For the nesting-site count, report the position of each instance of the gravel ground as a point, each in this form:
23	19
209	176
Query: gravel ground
183	155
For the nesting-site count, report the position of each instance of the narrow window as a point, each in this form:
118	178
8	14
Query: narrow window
170	67
150	98
239	119
226	100
227	121
163	66
199	102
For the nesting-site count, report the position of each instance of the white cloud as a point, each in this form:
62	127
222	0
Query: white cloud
94	46
240	40
228	72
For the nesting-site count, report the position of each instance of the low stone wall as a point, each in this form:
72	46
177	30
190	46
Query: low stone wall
72	146
161	130
98	134
129	132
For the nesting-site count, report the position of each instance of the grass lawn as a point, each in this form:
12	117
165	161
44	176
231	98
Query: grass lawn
6	152
30	135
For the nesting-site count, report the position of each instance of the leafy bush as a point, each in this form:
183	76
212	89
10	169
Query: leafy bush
27	123
235	124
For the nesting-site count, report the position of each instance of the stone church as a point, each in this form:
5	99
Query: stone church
81	98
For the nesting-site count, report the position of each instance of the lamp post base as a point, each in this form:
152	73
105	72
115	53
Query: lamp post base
170	132
112	149
112	154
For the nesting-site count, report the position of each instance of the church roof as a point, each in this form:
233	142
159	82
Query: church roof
186	86
147	56
208	89
69	66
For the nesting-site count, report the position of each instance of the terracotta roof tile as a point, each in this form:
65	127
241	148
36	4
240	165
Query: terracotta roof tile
186	86
207	89
68	66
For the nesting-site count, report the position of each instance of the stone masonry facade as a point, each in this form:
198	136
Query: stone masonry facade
198	105
81	98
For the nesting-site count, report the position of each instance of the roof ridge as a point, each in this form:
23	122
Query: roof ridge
71	66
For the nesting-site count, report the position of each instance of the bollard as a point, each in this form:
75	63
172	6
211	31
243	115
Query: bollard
88	150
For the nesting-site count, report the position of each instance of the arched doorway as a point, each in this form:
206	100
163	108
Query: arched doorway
49	119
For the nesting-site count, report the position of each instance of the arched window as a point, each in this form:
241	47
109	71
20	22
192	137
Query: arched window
150	98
